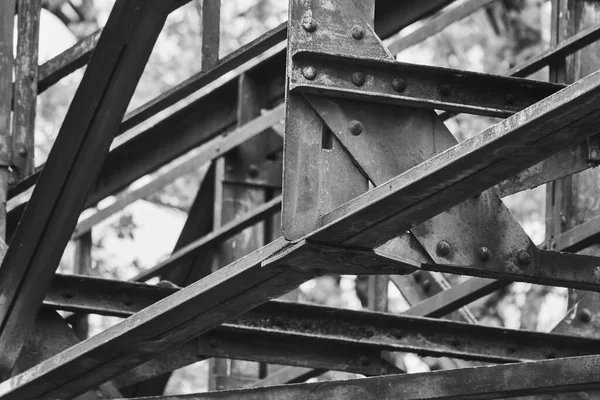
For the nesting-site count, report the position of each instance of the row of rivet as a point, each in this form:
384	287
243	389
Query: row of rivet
398	84
310	25
358	79
443	249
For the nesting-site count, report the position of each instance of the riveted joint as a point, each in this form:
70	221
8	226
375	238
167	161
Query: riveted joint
399	85
355	127
484	253
358	32
358	78
309	72
309	24
443	249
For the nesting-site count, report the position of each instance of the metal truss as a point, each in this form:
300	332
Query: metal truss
373	184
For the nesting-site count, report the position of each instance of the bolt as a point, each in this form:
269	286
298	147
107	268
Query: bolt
484	253
253	171
399	85
358	78
22	150
585	315
309	72
523	258
365	361
443	249
426	285
11	180
309	24
551	354
355	127
445	89
509	98
32	75
358	32
229	168
417	276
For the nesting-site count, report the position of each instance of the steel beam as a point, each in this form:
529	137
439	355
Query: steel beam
120	172
467	168
437	24
227	293
73	164
521	379
406	332
393	82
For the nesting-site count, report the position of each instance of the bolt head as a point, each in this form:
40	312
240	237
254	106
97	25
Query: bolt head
399	85
358	32
445	89
309	24
484	253
309	72
426	285
358	78
585	315
22	150
523	258
417	275
443	249
355	127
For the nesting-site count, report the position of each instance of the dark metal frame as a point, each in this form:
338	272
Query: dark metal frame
344	90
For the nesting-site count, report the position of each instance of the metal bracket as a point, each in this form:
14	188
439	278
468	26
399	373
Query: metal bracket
382	140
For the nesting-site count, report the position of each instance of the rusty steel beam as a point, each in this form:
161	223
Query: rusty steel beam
437	24
393	82
73	164
135	158
525	379
467	168
229	292
405	332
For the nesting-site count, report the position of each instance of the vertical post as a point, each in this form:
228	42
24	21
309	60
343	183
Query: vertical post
7	12
577	196
82	265
25	95
211	31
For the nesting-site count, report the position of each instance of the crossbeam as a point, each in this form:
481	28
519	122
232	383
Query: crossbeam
490	382
404	332
415	85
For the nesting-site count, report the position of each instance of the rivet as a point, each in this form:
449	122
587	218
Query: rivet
443	249
309	72
253	171
426	285
309	24
358	32
358	78
585	315
509	98
399	85
355	128
484	253
22	150
417	276
523	258
445	89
